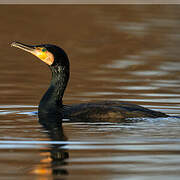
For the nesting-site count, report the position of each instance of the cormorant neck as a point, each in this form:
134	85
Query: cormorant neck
51	102
60	77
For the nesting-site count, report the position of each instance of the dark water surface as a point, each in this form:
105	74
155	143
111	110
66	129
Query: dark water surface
120	52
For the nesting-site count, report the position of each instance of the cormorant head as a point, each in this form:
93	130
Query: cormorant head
50	54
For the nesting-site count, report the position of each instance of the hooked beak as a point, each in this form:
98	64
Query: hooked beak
46	56
24	47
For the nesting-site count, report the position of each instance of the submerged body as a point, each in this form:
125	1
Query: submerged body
51	103
112	111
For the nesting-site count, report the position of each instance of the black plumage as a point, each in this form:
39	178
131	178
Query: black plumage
51	102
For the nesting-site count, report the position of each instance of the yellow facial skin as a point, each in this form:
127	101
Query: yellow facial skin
44	55
40	52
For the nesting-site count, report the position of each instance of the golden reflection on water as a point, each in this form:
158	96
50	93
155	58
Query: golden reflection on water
41	168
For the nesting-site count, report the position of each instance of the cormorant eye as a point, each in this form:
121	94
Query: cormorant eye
44	50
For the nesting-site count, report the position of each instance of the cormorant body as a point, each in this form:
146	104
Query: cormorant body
51	103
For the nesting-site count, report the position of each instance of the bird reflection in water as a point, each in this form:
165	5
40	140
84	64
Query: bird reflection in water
53	126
